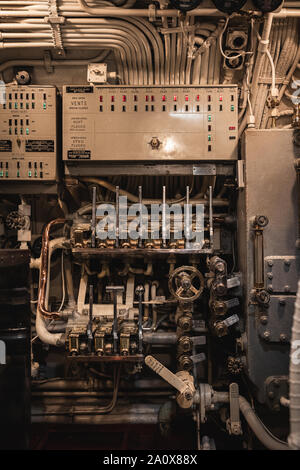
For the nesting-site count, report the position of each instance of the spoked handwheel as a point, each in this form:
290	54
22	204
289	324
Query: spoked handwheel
186	283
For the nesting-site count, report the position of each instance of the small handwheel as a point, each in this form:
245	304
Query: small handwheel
186	283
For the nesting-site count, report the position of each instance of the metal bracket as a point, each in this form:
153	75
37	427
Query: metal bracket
48	62
240	174
55	22
234	422
152	13
178	29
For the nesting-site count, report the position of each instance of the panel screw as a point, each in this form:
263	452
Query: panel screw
271	394
283	338
270	263
287	262
264	319
267	335
270	288
270	276
287	288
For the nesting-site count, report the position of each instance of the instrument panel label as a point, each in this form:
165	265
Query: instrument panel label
79	154
39	146
5	146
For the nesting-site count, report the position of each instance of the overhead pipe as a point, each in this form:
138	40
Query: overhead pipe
82	7
41	308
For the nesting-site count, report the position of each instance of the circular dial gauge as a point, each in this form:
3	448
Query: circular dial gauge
185	5
229	6
267	5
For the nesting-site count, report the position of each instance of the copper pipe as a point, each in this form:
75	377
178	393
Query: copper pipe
44	270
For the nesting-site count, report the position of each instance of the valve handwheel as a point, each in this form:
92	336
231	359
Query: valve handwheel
186	283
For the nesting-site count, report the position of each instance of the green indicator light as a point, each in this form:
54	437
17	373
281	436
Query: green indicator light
18	174
209	118
35	174
29	174
209	138
1	173
44	105
6	174
16	105
27	131
232	107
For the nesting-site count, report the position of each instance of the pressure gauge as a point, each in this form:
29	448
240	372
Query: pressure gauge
267	5
229	6
185	5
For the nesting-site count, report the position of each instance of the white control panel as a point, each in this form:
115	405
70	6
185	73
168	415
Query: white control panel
28	144
103	123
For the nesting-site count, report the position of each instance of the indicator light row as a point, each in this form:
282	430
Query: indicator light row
152	98
163	108
20	105
32	170
21	96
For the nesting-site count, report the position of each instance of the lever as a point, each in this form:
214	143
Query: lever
234	423
140	292
115	290
90	323
182	381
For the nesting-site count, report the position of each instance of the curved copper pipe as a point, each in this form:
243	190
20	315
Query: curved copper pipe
44	270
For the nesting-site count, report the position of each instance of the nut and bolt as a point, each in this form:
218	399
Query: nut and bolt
264	319
267	335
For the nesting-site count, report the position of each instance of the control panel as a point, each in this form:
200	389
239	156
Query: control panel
28	133
103	123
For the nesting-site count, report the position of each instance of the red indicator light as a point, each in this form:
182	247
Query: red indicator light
186	98
135	98
147	98
232	128
112	99
198	97
124	98
209	97
175	98
164	97
100	99
221	98
152	98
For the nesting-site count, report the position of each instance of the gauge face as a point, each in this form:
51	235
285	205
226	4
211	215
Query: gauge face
185	5
229	6
267	5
